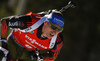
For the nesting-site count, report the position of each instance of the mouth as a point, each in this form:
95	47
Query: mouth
51	34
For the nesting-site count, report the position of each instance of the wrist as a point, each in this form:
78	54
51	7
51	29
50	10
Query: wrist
5	51
3	40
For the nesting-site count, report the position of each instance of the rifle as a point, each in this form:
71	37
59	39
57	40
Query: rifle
70	4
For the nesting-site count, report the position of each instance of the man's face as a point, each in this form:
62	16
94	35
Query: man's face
47	31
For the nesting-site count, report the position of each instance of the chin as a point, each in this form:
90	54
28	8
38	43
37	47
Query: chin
50	37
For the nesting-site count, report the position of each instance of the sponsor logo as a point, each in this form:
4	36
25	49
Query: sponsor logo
32	32
28	46
22	24
52	44
33	41
14	23
27	29
56	19
59	24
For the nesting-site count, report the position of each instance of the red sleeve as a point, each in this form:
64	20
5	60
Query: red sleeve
4	29
53	53
34	17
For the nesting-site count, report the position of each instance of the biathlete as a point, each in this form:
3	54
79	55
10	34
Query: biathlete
33	37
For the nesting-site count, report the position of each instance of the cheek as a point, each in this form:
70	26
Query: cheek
47	27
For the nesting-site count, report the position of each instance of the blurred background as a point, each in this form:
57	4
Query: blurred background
82	25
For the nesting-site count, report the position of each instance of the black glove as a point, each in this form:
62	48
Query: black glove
3	49
40	57
1	55
35	56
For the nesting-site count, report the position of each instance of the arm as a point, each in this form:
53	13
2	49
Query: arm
14	22
18	21
52	54
6	23
21	21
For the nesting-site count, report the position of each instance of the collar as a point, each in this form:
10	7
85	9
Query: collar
39	33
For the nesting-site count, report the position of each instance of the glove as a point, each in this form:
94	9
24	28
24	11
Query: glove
3	53
40	58
3	49
35	56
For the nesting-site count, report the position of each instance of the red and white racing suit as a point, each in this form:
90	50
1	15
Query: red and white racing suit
32	40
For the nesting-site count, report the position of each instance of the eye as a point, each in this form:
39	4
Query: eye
53	27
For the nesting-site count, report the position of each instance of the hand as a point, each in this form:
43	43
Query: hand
40	58
35	56
1	55
5	51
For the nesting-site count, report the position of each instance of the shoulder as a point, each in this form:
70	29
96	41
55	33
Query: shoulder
59	42
34	17
59	38
33	14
